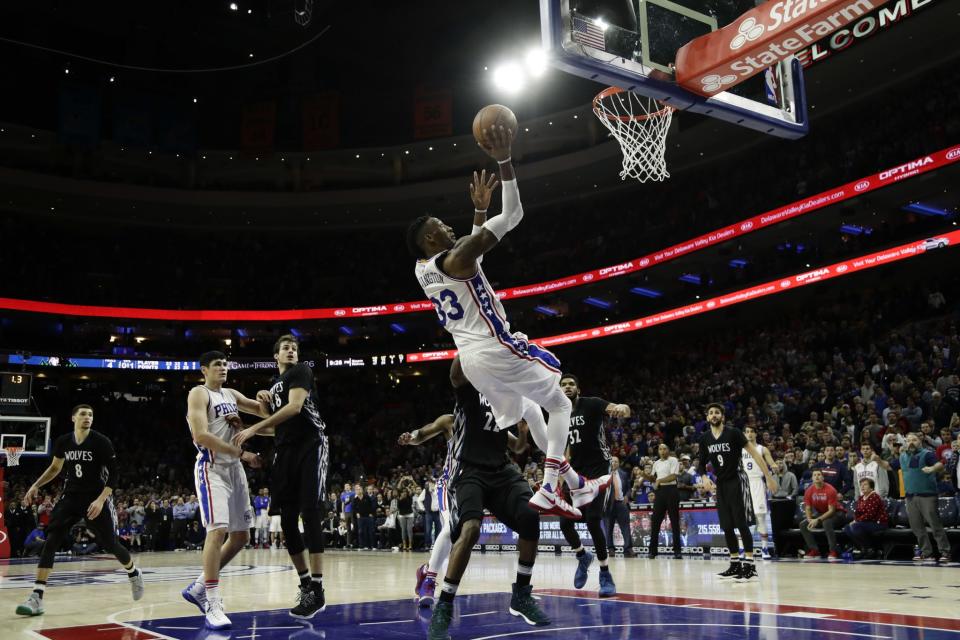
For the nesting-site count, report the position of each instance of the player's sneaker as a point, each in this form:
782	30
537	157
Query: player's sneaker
765	554
136	585
440	621
421	574
732	571
32	606
583	567
607	586
311	602
589	491
748	571
216	618
425	593
523	604
196	594
548	503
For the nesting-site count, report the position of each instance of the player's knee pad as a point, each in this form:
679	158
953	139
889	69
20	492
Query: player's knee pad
290	526
528	524
313	529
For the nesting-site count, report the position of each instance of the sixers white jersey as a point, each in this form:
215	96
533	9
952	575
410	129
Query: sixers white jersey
875	472
220	404
750	465
467	308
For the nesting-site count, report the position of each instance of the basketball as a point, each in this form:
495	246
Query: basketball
493	115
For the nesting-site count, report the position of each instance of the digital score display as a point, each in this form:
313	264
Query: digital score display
15	389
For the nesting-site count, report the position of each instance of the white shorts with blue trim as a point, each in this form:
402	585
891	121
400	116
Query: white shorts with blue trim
223	495
507	371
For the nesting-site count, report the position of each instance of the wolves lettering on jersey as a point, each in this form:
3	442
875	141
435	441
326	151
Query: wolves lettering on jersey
307	426
724	452
750	465
220	405
86	465
477	440
589	452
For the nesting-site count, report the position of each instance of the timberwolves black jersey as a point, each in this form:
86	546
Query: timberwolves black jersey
476	438
589	453
87	466
306	426
724	453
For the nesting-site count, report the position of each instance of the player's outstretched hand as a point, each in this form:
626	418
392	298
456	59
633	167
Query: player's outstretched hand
29	496
94	509
482	188
772	484
234	421
243	436
264	396
496	143
253	460
405	438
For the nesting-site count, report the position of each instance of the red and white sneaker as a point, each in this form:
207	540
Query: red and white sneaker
421	574
548	503
589	491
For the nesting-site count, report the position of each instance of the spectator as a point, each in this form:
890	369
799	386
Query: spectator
346	497
364	507
405	519
431	513
686	480
870	516
152	517
194	537
35	539
387	530
83	542
870	465
343	532
181	518
787	486
834	472
620	510
920	468
821	498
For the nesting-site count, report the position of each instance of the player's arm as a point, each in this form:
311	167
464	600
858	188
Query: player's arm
617	410
200	429
51	472
297	396
518	443
253	407
755	454
461	260
769	459
481	189
442	425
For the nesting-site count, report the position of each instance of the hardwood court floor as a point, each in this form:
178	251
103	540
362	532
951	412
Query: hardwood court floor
660	599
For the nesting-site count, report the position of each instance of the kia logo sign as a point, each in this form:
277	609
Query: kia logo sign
953	154
339	312
863	185
746	226
784	284
588	277
398	307
842	268
644	262
711	304
595	332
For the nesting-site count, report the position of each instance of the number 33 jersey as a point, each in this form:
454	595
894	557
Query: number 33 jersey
467	308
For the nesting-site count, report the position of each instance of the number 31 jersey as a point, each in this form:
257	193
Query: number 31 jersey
467	308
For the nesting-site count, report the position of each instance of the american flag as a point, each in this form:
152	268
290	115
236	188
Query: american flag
588	33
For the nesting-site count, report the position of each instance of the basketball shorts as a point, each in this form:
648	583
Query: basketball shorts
734	504
263	520
509	370
275	524
758	494
223	494
71	508
503	492
299	476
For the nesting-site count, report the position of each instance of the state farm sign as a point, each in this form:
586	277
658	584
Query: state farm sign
760	38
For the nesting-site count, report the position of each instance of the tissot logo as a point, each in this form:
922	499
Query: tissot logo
746	226
863	185
748	31
953	154
340	312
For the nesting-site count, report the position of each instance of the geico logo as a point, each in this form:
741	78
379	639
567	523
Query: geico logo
904	168
508	547
862	185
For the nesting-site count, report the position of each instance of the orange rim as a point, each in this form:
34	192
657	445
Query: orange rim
611	91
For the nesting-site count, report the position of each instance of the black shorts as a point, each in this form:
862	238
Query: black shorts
72	508
734	503
298	477
503	492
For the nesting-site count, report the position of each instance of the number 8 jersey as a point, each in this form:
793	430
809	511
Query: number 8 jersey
467	308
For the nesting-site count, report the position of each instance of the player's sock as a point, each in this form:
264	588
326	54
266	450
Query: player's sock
39	587
131	569
304	578
316	581
558	430
431	574
213	589
524	573
603	564
747	559
551	473
580	551
763	541
449	589
573	479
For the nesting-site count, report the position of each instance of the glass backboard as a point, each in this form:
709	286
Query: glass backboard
31	433
632	44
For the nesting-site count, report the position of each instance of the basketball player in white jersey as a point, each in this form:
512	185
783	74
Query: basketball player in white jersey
870	465
212	413
758	487
516	376
427	573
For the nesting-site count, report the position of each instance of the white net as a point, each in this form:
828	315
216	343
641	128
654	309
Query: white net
303	12
640	125
13	455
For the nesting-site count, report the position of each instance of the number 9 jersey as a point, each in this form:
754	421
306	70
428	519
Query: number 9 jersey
467	308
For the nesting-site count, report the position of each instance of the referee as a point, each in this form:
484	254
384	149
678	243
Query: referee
664	478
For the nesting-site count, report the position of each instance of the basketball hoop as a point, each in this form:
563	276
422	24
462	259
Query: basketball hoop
13	455
640	125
